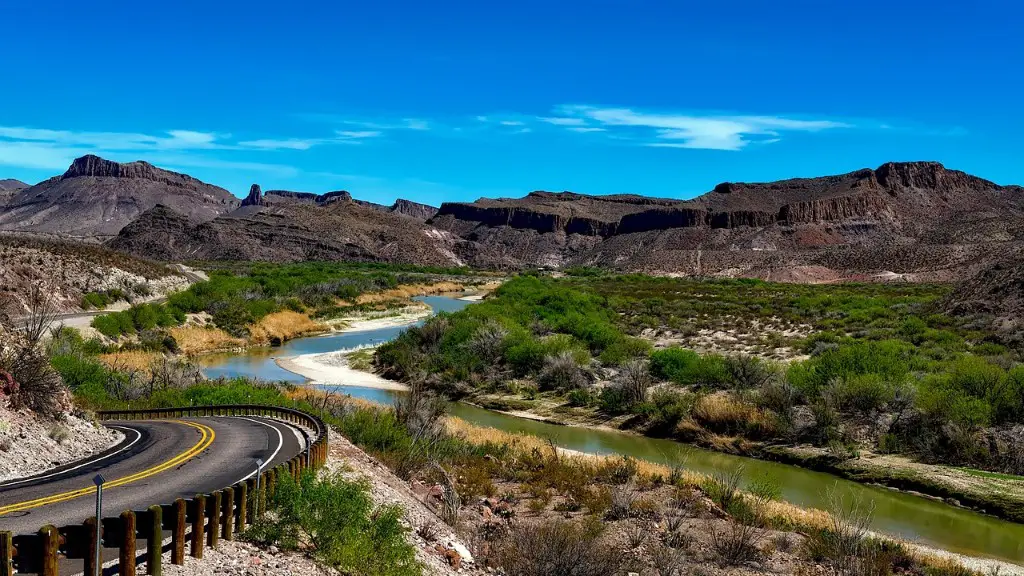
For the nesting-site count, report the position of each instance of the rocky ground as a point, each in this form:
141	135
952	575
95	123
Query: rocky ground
30	444
66	271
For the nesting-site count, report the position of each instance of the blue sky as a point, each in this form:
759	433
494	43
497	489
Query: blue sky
438	101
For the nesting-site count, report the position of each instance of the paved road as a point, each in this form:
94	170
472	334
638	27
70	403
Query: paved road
159	461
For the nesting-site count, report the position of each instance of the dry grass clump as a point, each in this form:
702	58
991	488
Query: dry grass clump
406	291
725	414
140	360
198	339
274	329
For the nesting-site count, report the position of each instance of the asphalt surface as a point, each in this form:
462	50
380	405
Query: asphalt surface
159	461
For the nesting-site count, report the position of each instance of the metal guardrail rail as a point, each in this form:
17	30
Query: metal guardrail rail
204	518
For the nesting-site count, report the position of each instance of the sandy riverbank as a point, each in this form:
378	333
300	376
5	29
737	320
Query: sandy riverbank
332	368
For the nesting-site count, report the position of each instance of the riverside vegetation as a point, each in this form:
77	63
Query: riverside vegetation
262	304
526	508
747	367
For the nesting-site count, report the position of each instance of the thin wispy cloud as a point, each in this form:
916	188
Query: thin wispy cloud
357	134
171	140
563	121
49	149
696	131
287	144
511	123
585	129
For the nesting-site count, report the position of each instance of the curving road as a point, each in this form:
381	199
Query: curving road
158	461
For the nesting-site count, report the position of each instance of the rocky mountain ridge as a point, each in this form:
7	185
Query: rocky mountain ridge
900	221
12	184
257	197
915	220
95	198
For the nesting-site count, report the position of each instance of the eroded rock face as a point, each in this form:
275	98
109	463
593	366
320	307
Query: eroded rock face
255	197
916	217
413	209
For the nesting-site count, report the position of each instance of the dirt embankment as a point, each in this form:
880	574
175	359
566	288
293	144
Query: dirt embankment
30	443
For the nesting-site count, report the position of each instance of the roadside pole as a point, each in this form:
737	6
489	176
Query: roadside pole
98	480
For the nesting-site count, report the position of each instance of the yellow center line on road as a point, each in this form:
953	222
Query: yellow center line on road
204	443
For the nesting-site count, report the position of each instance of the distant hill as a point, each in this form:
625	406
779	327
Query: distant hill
97	197
917	218
8	188
902	221
12	184
283	226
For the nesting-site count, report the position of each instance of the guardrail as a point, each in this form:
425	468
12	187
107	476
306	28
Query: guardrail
204	519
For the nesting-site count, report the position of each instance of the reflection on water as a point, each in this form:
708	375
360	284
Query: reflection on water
913	518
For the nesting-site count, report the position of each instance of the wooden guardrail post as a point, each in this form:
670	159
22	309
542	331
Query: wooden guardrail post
227	513
261	498
214	505
198	525
155	541
242	497
92	531
6	554
250	486
51	544
126	548
178	536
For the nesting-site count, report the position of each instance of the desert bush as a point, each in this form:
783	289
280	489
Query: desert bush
622	500
579	397
635	379
29	380
862	392
562	372
488	342
335	520
624	350
556	548
666	408
844	536
779	396
723	488
747	372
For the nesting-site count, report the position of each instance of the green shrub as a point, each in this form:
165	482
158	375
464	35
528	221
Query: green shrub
863	392
665	409
943	401
888	359
625	349
615	400
668	362
336	518
579	397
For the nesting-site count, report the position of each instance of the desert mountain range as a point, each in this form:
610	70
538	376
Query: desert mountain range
902	220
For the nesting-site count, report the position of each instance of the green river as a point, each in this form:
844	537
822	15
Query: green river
902	515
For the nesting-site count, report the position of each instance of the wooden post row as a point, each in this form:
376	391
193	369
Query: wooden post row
6	554
213	504
126	548
155	541
254	503
94	533
51	544
228	513
198	524
178	536
241	499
